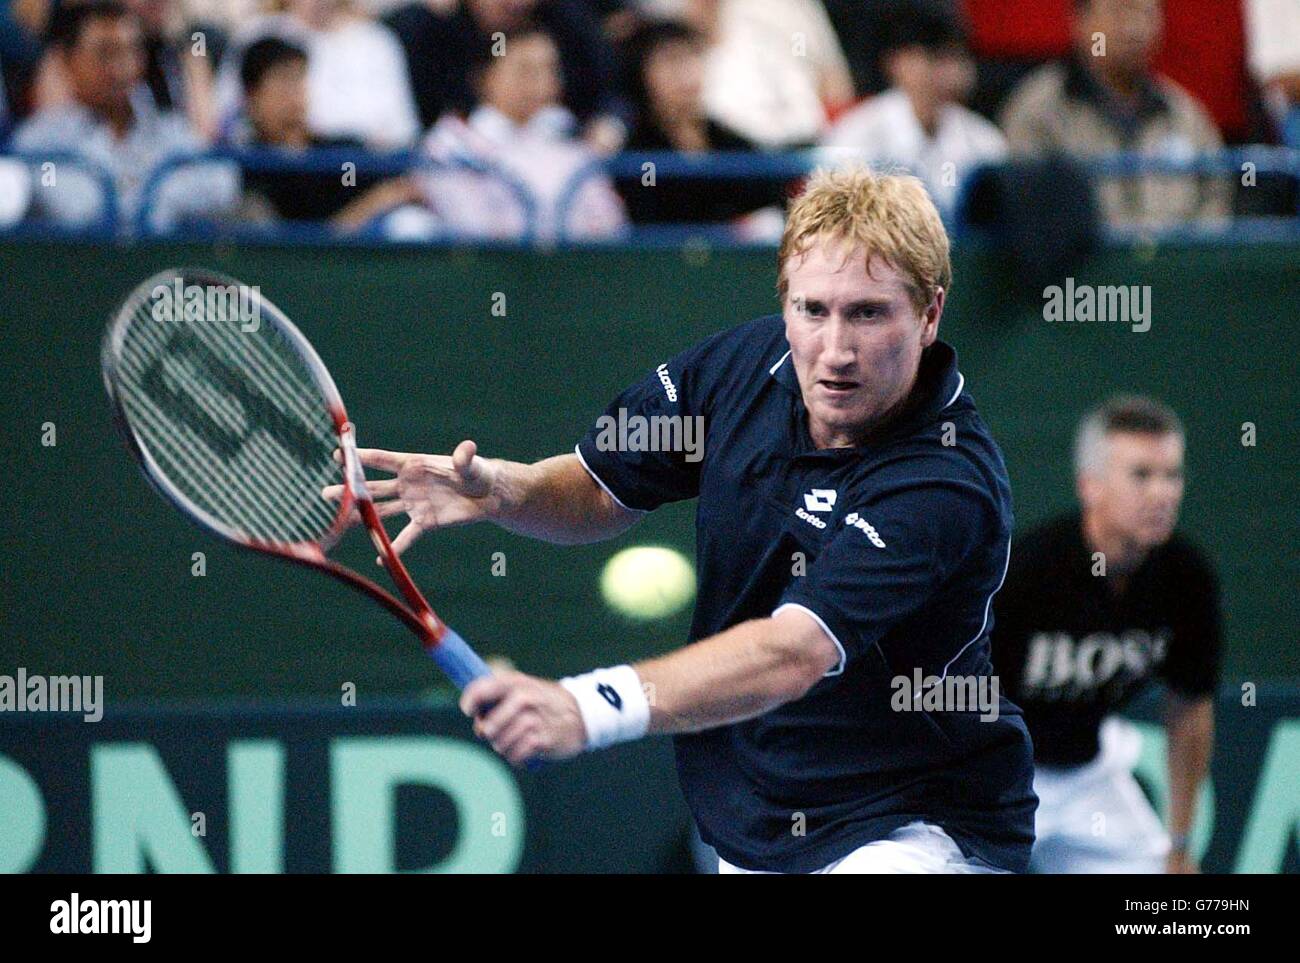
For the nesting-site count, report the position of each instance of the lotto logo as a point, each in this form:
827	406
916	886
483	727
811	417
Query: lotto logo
854	520
610	695
812	520
820	500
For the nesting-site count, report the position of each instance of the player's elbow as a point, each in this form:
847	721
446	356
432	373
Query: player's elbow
796	659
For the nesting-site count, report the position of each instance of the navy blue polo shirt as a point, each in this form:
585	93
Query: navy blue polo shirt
895	547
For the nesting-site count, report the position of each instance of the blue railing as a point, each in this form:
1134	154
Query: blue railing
144	221
323	161
106	223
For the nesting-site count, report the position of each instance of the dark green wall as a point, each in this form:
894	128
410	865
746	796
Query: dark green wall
96	569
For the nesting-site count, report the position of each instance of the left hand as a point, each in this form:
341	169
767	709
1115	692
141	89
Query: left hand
524	717
1181	863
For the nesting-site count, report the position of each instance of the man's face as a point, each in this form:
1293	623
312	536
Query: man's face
492	15
855	339
1138	489
525	79
1132	30
106	63
934	77
278	106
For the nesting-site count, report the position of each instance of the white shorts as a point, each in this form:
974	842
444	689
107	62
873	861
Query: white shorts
916	848
1095	818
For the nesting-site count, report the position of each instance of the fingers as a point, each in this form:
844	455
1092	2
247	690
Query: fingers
521	744
505	716
524	718
483	693
406	537
390	461
512	725
462	460
386	509
383	488
463	456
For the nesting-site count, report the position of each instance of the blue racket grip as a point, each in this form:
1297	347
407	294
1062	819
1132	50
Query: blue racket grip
463	665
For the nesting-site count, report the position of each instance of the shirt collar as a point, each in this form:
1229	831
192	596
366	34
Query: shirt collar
939	384
549	123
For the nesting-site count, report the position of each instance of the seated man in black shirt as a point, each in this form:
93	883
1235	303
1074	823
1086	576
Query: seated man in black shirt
274	76
1094	605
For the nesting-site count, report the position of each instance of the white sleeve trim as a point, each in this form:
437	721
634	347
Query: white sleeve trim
577	450
839	668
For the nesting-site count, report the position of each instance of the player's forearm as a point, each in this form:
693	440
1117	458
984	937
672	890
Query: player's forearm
738	674
1190	731
555	500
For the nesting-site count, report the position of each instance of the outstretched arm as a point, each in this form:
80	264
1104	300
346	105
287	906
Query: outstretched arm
737	674
554	500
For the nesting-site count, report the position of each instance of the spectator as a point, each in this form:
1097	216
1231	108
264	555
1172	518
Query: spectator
112	123
919	122
520	133
357	81
1107	98
1273	51
274	77
441	48
665	62
25	73
775	71
178	73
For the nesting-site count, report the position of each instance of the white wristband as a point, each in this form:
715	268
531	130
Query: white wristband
614	707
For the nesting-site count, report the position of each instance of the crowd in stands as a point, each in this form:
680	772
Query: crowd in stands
511	105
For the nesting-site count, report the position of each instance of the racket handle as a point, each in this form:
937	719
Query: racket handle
461	663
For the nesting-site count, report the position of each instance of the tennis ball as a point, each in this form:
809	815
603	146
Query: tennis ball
648	582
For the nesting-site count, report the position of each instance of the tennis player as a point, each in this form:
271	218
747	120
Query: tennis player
853	524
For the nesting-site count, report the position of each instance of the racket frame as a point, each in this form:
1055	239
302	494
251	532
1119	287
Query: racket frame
444	645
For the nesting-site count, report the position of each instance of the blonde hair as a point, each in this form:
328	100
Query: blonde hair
885	215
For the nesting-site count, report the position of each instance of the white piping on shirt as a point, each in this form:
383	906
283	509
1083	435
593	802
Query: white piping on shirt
987	606
961	383
577	450
824	627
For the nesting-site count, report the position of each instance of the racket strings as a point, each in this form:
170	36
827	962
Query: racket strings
271	464
269	374
232	496
234	419
252	504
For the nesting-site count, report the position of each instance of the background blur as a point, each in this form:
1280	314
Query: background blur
491	245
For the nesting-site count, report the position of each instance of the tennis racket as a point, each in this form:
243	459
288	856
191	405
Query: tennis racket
235	420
